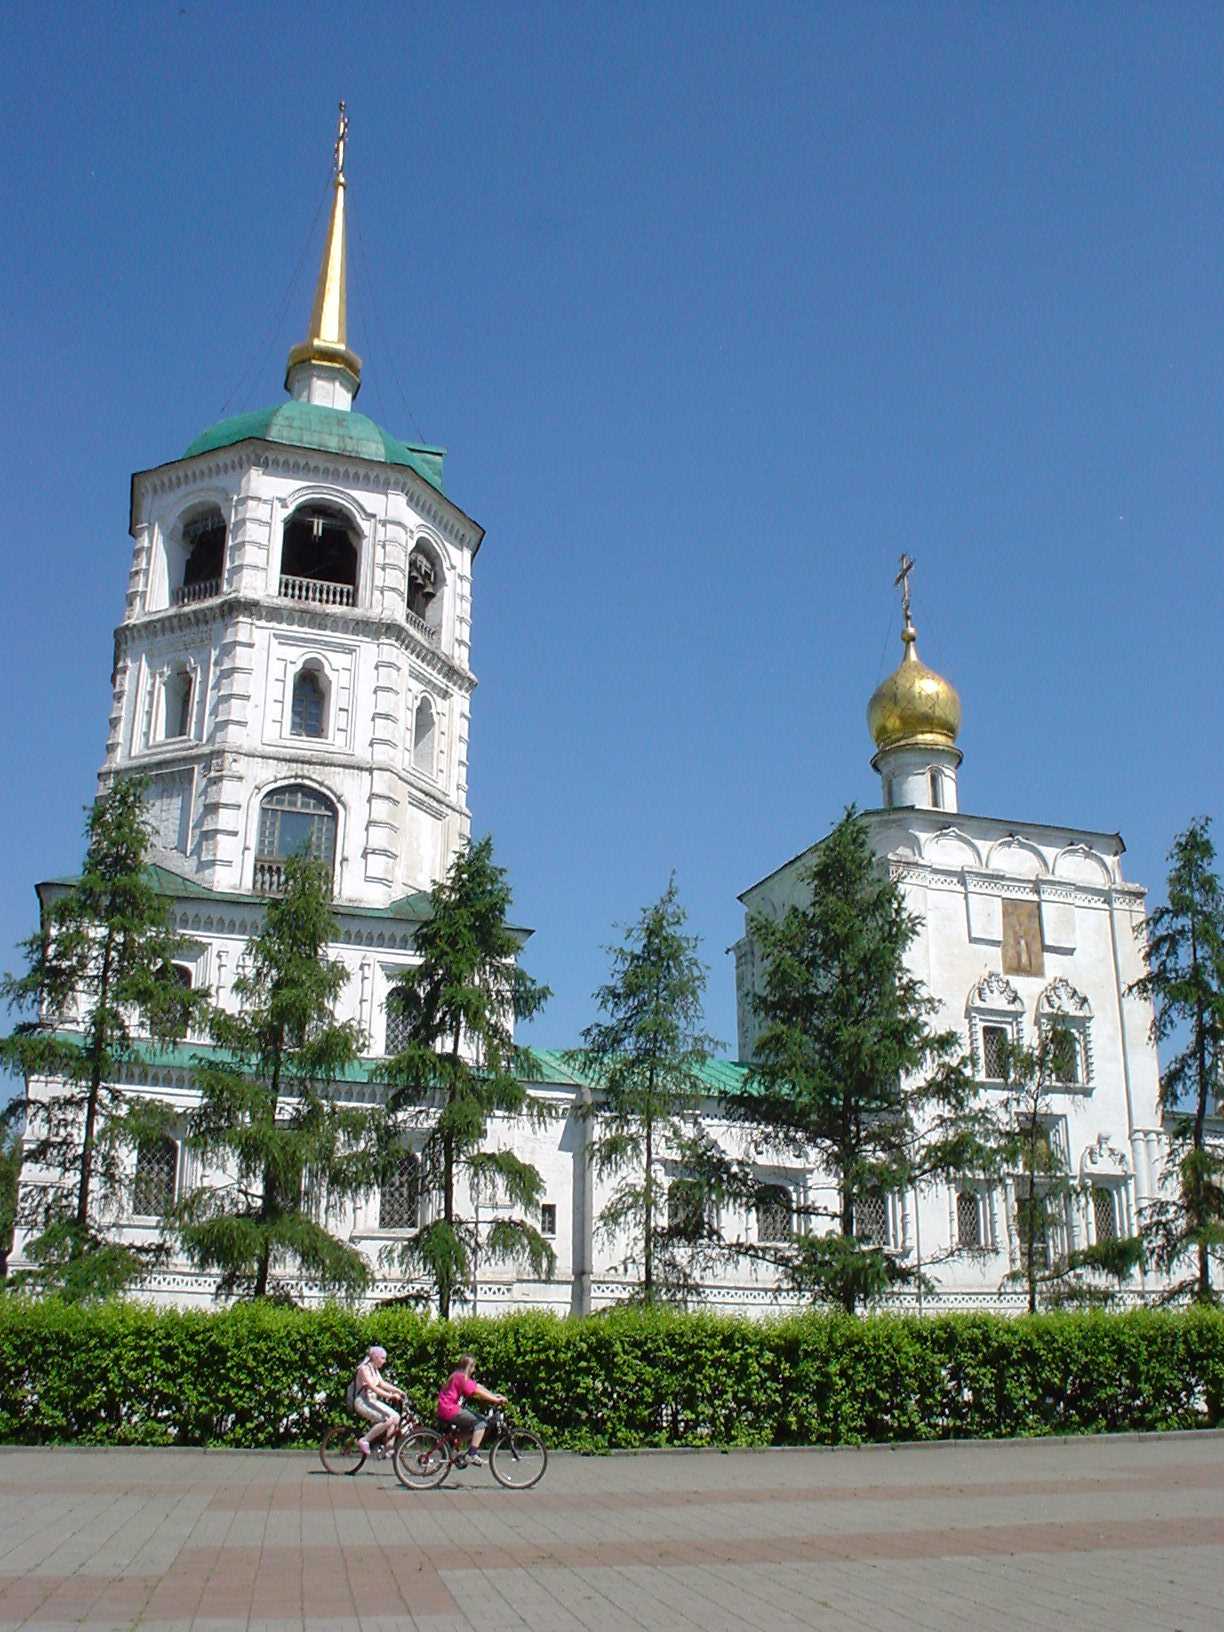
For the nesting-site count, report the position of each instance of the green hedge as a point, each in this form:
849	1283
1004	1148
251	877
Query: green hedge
122	1374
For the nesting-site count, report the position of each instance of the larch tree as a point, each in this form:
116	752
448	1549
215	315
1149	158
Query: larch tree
460	1069
1184	980
1026	1141
280	1146
99	987
849	1077
644	1063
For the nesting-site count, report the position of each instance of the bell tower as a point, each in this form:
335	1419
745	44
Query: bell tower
292	671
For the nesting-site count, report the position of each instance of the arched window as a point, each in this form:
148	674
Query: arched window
936	780
425	591
308	712
203	557
319	557
153	1186
424	737
775	1218
399	1198
180	695
293	821
183	973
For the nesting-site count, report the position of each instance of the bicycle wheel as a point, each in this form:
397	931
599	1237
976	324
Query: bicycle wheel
340	1452
421	1459
518	1459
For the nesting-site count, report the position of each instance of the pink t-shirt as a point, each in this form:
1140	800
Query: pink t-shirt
455	1390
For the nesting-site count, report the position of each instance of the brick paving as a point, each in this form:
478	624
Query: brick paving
1121	1534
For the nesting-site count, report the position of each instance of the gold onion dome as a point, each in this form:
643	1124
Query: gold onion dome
914	705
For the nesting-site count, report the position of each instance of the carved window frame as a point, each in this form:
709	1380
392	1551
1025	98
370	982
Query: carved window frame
1062	1005
993	1001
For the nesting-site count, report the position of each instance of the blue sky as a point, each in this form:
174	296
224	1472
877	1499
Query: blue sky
718	309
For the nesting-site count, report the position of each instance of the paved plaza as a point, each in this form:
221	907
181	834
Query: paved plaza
1122	1534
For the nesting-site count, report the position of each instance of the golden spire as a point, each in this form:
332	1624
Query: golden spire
914	705
326	345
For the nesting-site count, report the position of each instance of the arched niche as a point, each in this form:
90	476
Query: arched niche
320	555
1081	865
1016	857
425	590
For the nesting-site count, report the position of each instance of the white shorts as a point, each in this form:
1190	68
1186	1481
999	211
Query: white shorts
373	1409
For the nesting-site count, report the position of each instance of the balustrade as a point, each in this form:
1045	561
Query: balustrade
203	591
317	590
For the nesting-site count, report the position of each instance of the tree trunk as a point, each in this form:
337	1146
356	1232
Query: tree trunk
91	1103
1197	1210
648	1209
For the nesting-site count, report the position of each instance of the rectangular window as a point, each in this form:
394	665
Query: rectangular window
1104	1213
153	1186
397	1031
969	1219
871	1219
398	1201
548	1219
775	1218
994	1044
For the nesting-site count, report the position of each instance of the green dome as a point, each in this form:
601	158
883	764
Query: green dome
332	430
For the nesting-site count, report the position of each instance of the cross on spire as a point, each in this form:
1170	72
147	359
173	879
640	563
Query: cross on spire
903	578
341	138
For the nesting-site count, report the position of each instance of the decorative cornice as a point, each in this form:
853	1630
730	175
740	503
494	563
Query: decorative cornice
279	458
965	880
238	605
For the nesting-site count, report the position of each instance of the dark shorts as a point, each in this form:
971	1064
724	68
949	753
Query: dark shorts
464	1422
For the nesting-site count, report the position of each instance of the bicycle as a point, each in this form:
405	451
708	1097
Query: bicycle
517	1457
340	1452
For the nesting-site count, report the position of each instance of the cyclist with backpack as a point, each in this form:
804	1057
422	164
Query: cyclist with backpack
369	1396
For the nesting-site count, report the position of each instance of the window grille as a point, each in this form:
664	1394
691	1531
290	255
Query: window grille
871	1218
1104	1213
548	1218
968	1219
398	1202
774	1216
397	1030
306	715
994	1043
154	1182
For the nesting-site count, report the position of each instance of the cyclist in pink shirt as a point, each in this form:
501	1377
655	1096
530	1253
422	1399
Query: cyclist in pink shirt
453	1413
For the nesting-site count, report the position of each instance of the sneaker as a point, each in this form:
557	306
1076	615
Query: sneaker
475	1460
363	1445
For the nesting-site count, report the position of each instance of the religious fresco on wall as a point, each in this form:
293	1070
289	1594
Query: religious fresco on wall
1022	952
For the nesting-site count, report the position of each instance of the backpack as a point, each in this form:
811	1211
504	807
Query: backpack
350	1394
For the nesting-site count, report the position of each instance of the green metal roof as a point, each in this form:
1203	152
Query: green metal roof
560	1068
415	908
332	430
546	1067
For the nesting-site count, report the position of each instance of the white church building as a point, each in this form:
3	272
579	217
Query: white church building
293	670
